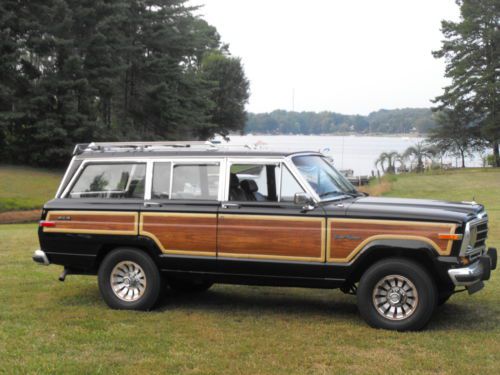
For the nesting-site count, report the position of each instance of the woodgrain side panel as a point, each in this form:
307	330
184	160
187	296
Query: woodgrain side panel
271	237
93	222
347	237
178	233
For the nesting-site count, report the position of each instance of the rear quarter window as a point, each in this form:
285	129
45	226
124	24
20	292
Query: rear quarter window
110	181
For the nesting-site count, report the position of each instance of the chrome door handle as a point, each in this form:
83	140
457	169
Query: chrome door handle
230	205
152	204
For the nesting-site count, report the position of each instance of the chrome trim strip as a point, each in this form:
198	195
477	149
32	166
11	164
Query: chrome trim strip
467	247
473	271
40	257
58	192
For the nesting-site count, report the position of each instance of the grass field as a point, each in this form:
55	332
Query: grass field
65	328
24	188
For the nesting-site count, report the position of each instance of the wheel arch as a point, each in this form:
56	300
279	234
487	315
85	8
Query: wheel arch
419	251
142	244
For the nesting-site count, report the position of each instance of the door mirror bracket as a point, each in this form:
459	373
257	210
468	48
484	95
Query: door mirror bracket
302	199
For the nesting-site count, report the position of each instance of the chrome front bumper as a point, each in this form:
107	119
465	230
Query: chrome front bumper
40	257
476	272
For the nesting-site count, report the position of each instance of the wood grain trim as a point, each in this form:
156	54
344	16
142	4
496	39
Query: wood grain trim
194	228
281	218
385	232
94	222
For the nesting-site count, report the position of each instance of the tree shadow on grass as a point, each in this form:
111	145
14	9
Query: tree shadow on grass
303	303
262	300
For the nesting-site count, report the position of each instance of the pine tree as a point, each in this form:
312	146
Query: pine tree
230	93
472	52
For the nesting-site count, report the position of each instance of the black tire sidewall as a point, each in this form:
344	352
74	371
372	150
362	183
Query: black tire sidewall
153	277
413	271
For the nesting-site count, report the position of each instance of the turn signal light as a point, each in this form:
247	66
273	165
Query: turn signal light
448	236
47	224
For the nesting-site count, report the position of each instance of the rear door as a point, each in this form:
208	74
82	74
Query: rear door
180	214
261	231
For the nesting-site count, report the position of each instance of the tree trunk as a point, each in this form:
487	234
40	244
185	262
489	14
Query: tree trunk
496	154
463	158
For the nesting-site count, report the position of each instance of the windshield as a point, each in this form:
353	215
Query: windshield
326	181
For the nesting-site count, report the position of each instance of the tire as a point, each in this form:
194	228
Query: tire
444	295
406	295
188	285
129	280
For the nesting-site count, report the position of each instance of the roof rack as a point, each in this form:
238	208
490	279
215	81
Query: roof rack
150	146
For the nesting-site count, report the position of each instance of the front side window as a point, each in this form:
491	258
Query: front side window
323	177
289	186
195	181
110	181
253	182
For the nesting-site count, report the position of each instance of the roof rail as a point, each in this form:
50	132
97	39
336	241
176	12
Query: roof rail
150	146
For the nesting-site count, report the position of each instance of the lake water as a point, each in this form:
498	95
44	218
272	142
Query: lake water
348	152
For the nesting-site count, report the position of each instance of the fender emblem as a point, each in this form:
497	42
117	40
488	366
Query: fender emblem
346	237
64	218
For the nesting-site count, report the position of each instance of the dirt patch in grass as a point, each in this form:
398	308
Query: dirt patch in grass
13	217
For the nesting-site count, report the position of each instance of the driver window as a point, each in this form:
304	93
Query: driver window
253	182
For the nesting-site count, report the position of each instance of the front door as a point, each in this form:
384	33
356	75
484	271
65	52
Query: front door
261	231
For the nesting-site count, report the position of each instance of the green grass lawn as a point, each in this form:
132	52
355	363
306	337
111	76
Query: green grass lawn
24	188
65	328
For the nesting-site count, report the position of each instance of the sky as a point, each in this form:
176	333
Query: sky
346	56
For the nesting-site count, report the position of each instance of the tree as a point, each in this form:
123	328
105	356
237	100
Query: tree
76	71
455	134
472	52
419	152
230	93
388	158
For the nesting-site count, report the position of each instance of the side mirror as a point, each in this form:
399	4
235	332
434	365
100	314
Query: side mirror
302	199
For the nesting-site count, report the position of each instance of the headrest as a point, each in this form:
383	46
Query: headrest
234	181
249	186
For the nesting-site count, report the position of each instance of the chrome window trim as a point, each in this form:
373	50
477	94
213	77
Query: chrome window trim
101	161
198	161
224	165
244	160
139	160
298	176
58	192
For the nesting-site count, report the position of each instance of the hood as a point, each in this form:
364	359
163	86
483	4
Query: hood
411	209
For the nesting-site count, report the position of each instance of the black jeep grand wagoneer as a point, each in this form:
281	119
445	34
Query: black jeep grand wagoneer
145	215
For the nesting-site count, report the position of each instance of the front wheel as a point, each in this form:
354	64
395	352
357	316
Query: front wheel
129	280
397	294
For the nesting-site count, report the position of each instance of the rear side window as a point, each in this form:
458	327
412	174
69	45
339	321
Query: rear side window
195	181
110	181
161	181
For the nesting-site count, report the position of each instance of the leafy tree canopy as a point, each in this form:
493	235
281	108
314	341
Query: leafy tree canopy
78	71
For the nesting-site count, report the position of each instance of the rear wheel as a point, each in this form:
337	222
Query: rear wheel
129	279
397	294
188	285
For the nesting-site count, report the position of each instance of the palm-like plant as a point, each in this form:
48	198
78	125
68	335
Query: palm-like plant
420	151
388	158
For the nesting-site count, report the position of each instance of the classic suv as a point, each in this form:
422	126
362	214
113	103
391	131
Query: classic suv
187	215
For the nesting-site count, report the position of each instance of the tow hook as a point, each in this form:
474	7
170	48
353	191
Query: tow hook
63	275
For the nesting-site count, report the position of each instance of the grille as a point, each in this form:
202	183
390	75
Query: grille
477	240
481	235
